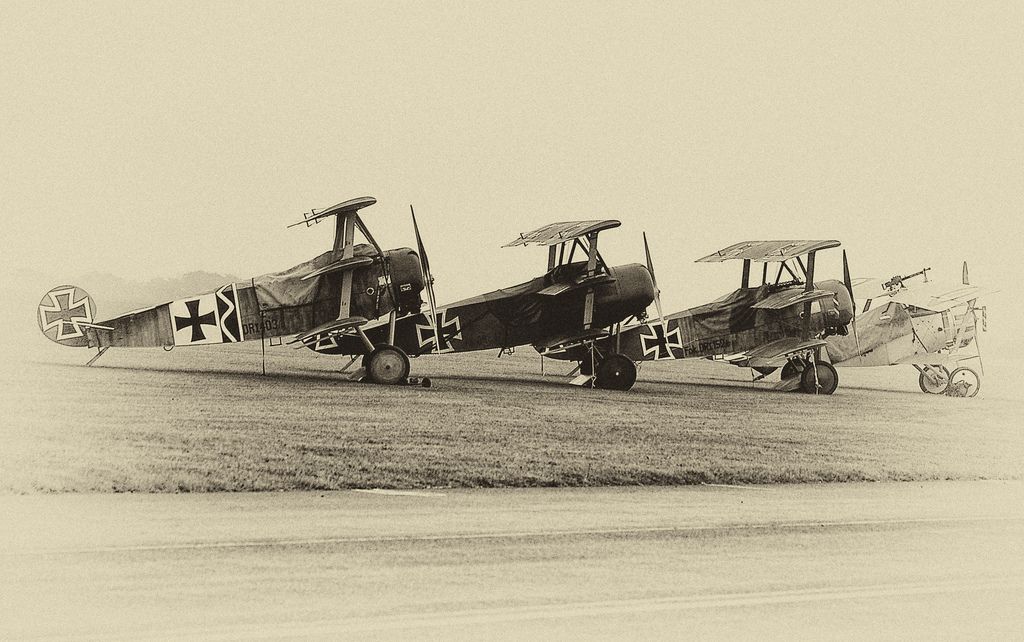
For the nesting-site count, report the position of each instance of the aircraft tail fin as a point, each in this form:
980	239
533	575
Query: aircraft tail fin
66	314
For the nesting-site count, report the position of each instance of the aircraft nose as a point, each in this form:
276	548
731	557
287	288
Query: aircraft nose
635	285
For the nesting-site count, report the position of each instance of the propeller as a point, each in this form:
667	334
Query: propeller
848	282
428	280
657	292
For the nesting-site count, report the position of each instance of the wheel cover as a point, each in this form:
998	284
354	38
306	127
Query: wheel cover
388	366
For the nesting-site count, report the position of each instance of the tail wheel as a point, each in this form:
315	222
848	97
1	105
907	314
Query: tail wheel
821	378
933	379
387	365
616	372
963	382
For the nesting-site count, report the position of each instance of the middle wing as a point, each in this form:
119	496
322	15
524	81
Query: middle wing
786	298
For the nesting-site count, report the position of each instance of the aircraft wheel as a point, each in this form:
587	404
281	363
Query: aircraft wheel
789	371
828	379
617	372
586	366
387	365
963	382
934	379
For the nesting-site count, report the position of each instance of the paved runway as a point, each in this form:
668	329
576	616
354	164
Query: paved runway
882	560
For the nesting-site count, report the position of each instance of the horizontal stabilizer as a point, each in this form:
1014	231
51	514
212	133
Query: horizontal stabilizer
342	264
331	328
787	298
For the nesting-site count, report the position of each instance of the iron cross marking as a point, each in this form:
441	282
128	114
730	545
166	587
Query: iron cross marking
448	330
194	321
66	313
659	343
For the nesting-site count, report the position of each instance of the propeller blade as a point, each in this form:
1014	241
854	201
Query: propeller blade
657	291
428	280
848	282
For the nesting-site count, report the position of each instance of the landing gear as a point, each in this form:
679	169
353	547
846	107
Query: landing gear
615	372
963	382
819	378
933	379
790	370
387	365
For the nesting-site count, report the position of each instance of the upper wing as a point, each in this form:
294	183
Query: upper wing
766	251
939	300
775	353
555	233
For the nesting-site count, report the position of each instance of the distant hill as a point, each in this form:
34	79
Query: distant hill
114	295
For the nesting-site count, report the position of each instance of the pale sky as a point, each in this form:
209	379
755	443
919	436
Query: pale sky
150	139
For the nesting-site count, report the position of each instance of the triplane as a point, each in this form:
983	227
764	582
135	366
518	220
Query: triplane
926	324
576	302
781	323
332	295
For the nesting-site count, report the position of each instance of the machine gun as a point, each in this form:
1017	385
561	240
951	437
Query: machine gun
896	282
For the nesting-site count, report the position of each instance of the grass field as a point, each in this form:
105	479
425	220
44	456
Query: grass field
203	419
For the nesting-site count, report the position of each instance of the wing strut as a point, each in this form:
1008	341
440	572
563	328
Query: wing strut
806	334
588	306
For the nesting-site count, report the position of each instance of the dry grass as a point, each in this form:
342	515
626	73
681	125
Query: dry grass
204	420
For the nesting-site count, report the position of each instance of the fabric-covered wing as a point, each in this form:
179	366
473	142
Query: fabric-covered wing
555	233
774	354
767	251
787	298
939	300
567	342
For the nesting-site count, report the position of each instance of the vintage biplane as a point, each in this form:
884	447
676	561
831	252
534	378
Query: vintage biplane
780	323
334	295
926	324
571	305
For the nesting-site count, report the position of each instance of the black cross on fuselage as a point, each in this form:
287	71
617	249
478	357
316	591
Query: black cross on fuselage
446	337
659	341
194	321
